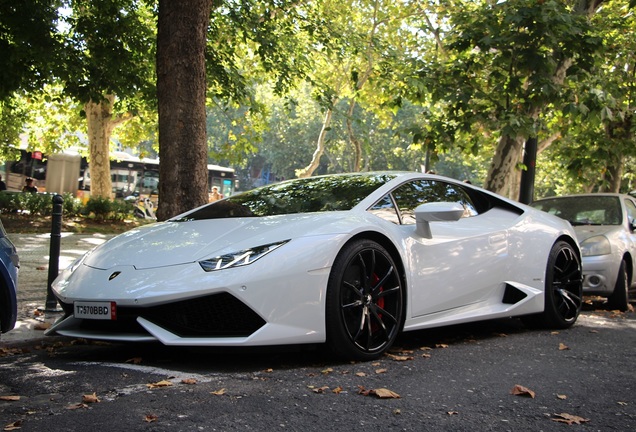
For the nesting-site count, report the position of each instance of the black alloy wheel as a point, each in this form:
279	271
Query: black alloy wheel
365	301
563	289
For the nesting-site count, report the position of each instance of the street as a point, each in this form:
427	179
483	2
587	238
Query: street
459	378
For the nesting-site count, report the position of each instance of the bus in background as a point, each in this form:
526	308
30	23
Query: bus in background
130	175
140	177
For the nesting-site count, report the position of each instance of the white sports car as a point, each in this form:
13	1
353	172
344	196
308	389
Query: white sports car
350	260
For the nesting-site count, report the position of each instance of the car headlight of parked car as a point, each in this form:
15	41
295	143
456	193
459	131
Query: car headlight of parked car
597	245
240	258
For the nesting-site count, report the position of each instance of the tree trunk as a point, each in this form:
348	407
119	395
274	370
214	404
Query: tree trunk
181	90
99	124
613	176
504	176
357	146
320	148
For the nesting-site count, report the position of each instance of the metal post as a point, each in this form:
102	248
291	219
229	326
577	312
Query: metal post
54	251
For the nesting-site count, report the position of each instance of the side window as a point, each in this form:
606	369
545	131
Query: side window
386	210
631	211
410	195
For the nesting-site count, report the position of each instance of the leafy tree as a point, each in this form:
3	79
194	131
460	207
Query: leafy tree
30	49
109	70
504	64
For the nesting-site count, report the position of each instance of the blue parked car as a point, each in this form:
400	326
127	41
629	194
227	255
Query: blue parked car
9	264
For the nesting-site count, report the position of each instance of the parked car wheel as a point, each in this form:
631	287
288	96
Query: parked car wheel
563	289
365	301
619	299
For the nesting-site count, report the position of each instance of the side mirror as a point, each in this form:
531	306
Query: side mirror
436	212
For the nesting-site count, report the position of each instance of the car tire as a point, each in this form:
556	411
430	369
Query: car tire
563	289
364	302
619	299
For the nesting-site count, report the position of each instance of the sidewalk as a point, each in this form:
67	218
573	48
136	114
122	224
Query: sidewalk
34	250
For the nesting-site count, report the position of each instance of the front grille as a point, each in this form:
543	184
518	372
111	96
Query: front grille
217	315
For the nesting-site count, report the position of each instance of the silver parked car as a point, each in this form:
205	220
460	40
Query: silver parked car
605	225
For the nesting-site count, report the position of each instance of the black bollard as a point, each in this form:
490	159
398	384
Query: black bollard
54	252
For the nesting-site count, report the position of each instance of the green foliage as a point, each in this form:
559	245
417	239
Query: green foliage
104	209
99	207
32	203
40	204
37	204
110	46
28	43
120	210
72	206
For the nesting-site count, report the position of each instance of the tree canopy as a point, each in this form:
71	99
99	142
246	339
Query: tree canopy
288	88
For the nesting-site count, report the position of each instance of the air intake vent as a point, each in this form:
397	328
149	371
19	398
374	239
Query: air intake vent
512	295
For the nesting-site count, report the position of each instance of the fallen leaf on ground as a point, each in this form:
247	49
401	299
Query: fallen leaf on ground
400	357
10	398
13	426
452	412
569	419
90	398
380	371
134	360
10	351
361	374
219	392
188	381
381	393
41	326
77	406
426	355
519	390
149	418
441	345
563	347
326	371
158	384
322	389
337	390
562	397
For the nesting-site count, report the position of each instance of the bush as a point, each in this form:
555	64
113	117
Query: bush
72	206
10	202
120	210
98	206
38	204
33	203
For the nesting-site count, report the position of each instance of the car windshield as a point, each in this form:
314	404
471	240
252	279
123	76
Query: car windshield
308	195
584	210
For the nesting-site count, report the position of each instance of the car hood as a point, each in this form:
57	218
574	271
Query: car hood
583	232
172	243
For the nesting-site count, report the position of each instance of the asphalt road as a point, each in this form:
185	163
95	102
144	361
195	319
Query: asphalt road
458	378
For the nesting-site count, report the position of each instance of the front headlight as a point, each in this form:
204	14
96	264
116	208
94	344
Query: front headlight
240	258
597	245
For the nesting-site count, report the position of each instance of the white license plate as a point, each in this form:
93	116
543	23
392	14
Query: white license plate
95	310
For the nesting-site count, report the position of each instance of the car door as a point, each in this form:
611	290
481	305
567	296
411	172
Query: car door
464	263
630	206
